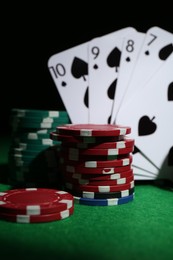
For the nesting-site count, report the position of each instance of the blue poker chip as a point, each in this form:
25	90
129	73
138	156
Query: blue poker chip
104	202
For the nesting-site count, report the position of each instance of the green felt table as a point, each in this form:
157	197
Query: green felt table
141	229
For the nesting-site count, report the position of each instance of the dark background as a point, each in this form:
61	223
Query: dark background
31	34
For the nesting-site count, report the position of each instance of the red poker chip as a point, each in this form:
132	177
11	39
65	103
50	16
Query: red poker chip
35	201
70	156
80	169
99	177
124	161
103	195
77	153
93	129
102	145
90	140
100	182
37	218
106	188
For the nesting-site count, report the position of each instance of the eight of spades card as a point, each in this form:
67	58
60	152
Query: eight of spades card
131	47
156	48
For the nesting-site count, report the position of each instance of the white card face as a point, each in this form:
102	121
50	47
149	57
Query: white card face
143	163
69	70
131	47
150	115
156	48
104	59
140	174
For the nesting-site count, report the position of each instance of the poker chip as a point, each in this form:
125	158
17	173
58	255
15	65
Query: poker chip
76	153
35	201
33	156
100	182
71	168
102	195
20	218
36	119
29	125
99	177
26	143
17	112
104	202
93	129
127	160
86	157
100	145
35	146
29	136
112	188
84	139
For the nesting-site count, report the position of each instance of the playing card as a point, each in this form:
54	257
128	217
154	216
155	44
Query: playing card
69	70
140	174
104	62
143	165
156	48
149	113
131	47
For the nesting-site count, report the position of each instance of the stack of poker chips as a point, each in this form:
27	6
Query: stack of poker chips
35	205
32	154
95	162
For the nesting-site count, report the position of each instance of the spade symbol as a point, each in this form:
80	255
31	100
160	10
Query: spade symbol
113	59
166	51
63	84
111	89
127	59
86	97
146	126
79	68
147	53
170	92
170	157
95	66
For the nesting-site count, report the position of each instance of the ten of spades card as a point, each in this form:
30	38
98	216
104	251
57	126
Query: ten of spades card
69	70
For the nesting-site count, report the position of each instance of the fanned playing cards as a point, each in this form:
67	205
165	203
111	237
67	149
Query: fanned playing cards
126	78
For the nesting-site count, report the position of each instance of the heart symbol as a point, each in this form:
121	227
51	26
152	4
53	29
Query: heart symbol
146	126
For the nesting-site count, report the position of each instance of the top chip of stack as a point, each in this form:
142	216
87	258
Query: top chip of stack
22	119
96	162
